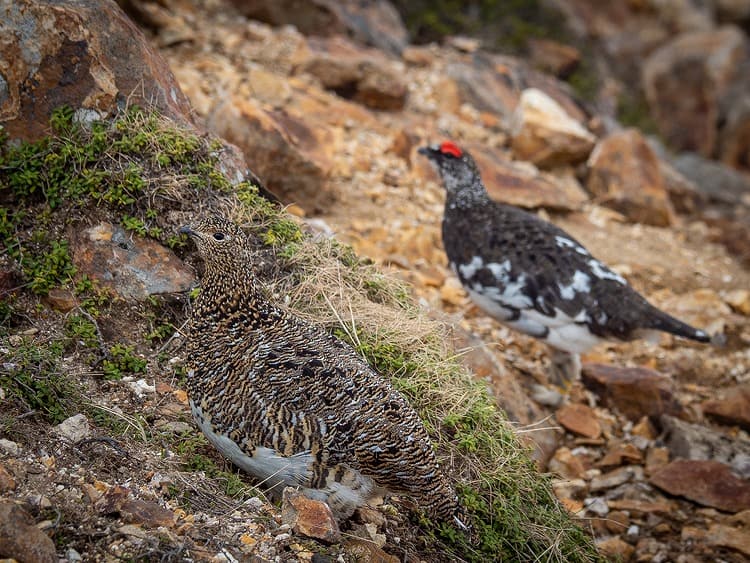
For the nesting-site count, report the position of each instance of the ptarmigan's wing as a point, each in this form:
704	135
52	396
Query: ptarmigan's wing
365	423
537	278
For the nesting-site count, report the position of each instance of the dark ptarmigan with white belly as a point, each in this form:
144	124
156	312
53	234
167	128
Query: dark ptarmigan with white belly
535	277
291	404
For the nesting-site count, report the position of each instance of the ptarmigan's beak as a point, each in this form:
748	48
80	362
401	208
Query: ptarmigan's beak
186	230
427	151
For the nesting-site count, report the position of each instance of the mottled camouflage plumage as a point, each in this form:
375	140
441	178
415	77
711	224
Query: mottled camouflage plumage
292	404
532	275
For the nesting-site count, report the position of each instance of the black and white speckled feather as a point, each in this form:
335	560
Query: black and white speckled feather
532	275
291	404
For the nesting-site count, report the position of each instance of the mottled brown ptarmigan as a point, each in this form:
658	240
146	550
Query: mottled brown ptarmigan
291	404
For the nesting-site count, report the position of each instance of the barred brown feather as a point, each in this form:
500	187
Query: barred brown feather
292	404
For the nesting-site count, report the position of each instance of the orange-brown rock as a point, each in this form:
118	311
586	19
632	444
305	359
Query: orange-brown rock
615	549
7	482
685	82
494	83
61	299
641	506
117	500
656	457
20	539
85	54
480	83
739	300
737	539
635	392
353	72
625	174
366	550
133	266
554	57
621	454
288	151
706	482
579	419
565	464
733	408
522	184
308	517
543	133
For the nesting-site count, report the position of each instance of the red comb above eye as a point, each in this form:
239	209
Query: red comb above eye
451	148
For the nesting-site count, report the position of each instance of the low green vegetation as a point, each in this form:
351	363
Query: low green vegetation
633	111
504	25
140	170
33	380
514	513
122	359
134	169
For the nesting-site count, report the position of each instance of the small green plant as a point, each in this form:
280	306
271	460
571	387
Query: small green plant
49	268
235	487
92	297
633	111
122	360
136	166
33	381
81	330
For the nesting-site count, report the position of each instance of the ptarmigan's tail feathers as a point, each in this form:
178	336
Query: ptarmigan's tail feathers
442	503
662	321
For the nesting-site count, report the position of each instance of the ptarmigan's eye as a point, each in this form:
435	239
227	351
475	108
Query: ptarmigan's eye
220	236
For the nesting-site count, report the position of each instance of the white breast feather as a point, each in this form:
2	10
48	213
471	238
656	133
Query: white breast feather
265	464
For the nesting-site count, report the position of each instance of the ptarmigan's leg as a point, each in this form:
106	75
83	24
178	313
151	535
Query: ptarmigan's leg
565	368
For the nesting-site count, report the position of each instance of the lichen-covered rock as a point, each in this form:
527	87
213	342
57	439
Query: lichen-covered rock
133	266
85	54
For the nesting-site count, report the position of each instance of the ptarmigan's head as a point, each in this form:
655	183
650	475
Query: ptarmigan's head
455	166
220	242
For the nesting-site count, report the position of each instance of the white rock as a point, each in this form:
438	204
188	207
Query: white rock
543	132
10	448
546	395
597	505
372	530
140	387
75	428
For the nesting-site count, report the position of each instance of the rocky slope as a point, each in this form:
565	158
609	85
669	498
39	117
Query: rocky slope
539	147
650	450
